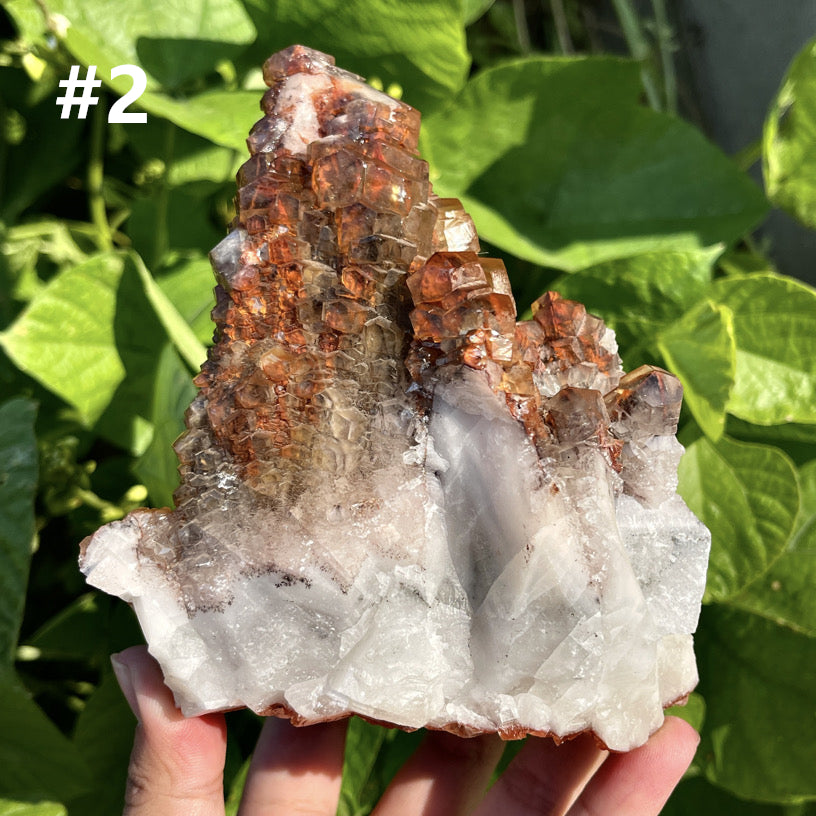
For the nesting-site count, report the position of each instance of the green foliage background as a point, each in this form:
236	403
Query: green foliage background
579	183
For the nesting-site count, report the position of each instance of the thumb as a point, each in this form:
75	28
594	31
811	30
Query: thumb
177	763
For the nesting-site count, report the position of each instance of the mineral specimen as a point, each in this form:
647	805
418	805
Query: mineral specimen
397	501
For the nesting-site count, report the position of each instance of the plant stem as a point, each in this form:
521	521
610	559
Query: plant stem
639	48
92	500
95	179
666	48
522	32
561	27
746	158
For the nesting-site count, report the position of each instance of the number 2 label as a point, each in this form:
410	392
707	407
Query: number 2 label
118	113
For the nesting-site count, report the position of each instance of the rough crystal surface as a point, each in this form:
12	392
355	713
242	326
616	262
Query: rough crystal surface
395	500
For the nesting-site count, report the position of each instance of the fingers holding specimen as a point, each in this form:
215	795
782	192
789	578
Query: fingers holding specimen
295	770
638	783
544	778
446	776
177	764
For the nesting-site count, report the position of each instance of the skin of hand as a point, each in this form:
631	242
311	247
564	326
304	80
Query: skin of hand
177	765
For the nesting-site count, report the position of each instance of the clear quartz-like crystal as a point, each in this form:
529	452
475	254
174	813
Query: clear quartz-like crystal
395	500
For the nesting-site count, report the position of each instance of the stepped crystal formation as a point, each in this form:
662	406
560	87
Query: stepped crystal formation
397	501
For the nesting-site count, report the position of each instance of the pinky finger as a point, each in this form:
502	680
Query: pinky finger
640	782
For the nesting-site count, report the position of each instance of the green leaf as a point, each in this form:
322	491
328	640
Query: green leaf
38	762
9	808
700	349
18	484
784	594
363	743
24	249
93	337
177	328
175	220
103	738
474	9
189	285
789	140
48	152
65	339
157	468
641	295
418	44
172	40
584	174
222	117
759	683
693	711
90	628
186	157
790	432
748	496
775	334
698	796
236	790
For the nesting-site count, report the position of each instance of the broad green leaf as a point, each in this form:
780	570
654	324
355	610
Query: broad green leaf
699	797
38	762
418	44
785	593
363	743
9	808
90	628
797	440
65	338
176	220
748	496
103	738
18	484
474	9
94	336
792	432
641	295
140	338
222	117
157	468
189	284
583	174
172	40
775	334
789	140
27	252
184	156
516	92
699	348
177	328
168	50
759	683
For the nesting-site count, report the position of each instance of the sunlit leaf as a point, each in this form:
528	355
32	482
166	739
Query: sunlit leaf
748	496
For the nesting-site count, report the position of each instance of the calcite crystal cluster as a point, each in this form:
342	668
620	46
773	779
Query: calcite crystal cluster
396	500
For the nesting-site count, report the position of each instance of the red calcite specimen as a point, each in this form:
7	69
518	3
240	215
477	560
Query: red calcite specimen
396	500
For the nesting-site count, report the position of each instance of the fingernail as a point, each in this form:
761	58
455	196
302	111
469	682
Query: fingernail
125	679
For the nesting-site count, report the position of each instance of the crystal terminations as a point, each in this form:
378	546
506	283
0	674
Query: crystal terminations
396	500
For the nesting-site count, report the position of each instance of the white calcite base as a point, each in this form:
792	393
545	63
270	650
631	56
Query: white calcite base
523	598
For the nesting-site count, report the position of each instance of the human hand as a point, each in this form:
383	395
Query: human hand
177	766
